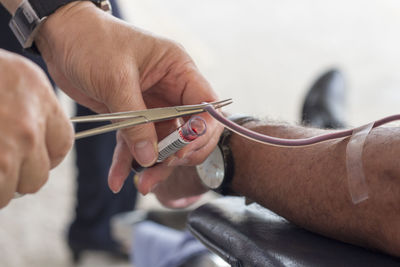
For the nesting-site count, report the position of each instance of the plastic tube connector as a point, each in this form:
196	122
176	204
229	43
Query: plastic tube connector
178	139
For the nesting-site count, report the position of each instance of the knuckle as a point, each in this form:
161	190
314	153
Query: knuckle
19	63
25	67
67	137
175	46
181	57
5	200
139	132
68	141
30	70
27	133
34	172
37	186
65	144
7	162
6	194
60	137
35	183
15	65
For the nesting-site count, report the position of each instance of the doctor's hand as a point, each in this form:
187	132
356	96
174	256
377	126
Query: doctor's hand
35	133
111	66
181	189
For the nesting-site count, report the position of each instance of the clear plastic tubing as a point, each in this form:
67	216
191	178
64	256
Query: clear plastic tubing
178	139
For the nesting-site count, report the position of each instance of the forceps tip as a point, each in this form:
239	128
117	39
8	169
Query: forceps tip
222	103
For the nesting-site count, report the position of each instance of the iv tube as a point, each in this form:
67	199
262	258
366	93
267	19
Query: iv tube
356	178
269	140
178	139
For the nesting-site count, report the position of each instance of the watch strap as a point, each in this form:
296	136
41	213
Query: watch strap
30	14
25	23
44	8
229	164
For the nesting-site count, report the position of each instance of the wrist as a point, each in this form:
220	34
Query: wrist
11	5
62	26
242	152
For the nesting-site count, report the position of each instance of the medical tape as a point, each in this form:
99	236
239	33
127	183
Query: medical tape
355	171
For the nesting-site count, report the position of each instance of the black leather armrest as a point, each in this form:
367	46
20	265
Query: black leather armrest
254	236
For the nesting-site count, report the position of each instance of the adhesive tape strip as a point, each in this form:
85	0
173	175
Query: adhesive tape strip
355	171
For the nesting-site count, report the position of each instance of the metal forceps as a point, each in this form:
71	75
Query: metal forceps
132	118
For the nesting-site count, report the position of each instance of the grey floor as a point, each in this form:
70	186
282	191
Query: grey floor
263	54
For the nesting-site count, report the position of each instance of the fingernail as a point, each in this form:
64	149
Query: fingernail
117	190
146	153
154	187
111	182
187	154
180	202
136	180
178	162
140	181
171	162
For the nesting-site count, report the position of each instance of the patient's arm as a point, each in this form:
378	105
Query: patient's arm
309	186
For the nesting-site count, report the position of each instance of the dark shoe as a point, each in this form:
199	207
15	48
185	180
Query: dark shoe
324	105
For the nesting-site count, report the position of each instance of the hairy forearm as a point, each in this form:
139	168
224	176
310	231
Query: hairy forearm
11	5
309	185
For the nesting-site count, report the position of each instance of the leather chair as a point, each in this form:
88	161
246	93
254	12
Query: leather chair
254	236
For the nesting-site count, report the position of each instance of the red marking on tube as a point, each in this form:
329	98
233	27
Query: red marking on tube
187	138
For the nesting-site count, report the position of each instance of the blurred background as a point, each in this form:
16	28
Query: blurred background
264	55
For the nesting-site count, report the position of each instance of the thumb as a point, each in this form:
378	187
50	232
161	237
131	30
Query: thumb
141	139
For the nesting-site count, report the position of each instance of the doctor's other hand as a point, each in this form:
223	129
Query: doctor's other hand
111	66
35	133
181	189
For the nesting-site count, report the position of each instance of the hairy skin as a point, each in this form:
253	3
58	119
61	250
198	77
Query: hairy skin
134	70
309	186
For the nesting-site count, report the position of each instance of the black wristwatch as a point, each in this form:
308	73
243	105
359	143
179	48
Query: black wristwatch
31	14
217	171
